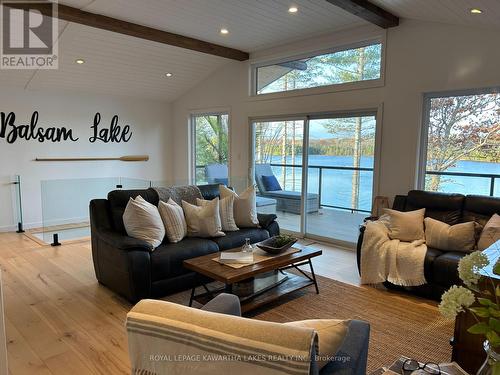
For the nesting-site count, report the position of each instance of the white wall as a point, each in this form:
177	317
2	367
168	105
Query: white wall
3	335
421	57
149	121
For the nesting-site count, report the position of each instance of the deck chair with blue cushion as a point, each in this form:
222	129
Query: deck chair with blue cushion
218	174
287	201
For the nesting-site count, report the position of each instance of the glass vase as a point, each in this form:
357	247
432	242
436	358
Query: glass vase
247	247
491	365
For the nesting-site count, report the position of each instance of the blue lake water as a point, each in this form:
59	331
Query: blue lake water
336	185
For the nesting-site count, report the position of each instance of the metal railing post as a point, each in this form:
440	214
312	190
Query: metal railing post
319	184
55	240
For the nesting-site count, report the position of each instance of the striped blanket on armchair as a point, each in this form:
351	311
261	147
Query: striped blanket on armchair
167	338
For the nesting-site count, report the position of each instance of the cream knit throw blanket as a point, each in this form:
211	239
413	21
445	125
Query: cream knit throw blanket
166	338
383	259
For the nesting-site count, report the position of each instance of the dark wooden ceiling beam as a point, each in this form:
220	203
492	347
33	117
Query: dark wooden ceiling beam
368	11
99	21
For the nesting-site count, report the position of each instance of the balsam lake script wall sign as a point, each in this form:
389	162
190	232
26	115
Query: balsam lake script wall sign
12	132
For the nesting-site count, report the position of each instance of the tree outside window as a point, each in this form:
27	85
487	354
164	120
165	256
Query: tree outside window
463	137
211	142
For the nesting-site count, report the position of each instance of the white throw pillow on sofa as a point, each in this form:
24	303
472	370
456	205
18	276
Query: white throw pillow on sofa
490	233
173	218
142	220
406	226
442	236
226	211
245	207
203	221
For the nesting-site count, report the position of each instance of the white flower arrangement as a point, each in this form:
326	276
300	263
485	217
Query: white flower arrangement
469	267
461	298
455	300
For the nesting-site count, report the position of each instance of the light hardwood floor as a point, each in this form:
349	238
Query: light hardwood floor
59	320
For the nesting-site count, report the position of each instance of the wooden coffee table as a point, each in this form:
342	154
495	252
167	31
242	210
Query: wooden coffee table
255	284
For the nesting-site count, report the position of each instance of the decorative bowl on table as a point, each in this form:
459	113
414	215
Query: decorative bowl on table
277	244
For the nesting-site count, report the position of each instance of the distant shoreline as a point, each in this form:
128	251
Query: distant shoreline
299	157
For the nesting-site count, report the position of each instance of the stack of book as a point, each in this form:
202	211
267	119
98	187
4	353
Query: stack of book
238	257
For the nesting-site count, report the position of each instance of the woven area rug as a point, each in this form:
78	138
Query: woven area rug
400	323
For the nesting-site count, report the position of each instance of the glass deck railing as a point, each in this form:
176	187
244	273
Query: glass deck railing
333	184
467	183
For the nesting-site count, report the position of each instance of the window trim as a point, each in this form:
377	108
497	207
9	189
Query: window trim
379	82
192	139
424	131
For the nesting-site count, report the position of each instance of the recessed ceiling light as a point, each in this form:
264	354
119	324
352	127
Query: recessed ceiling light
168	74
224	31
80	61
476	11
293	9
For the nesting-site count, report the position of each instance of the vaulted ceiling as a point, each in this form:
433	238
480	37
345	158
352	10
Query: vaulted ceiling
117	64
446	11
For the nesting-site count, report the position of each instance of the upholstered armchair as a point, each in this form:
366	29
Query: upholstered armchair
164	337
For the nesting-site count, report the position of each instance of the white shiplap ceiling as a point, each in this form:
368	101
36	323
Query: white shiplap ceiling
116	64
121	65
252	24
446	11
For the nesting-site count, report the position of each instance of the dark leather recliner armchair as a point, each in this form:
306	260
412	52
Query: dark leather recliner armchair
128	266
440	267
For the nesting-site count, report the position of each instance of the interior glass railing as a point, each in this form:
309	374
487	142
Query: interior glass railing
65	205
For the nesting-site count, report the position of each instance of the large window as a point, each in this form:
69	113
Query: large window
349	65
461	146
210	148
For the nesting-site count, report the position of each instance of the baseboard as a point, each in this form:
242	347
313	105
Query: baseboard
57	222
13	227
8	228
39	224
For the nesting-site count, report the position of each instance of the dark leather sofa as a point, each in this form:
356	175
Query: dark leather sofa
128	266
440	267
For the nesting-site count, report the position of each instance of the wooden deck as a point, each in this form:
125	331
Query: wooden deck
330	223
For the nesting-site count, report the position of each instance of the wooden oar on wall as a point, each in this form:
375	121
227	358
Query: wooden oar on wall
121	158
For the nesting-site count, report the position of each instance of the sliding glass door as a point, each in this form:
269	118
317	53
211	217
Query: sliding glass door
278	169
340	179
331	200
